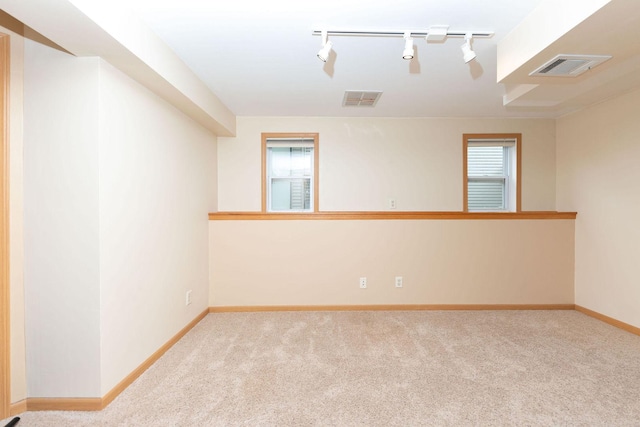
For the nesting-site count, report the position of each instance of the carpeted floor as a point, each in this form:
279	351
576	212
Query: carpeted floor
548	368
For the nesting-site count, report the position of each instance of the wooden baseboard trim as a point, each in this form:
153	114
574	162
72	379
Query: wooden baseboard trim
122	385
18	407
385	307
610	320
64	404
97	404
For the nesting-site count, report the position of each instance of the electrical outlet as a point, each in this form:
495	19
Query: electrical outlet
392	203
187	300
398	281
363	283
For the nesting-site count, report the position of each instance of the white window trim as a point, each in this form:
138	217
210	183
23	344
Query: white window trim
508	197
290	140
513	181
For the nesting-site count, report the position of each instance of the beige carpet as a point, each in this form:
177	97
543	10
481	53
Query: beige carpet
550	368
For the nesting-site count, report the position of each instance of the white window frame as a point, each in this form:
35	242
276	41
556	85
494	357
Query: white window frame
512	171
286	140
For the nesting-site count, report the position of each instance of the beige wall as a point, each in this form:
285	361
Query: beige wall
366	161
155	191
442	262
61	223
598	177
118	184
363	163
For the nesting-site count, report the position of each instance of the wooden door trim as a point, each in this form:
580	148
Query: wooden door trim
5	302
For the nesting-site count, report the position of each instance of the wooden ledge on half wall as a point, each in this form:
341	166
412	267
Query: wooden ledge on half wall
391	215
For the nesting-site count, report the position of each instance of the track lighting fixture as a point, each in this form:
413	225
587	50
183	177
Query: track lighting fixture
407	53
323	53
467	53
435	34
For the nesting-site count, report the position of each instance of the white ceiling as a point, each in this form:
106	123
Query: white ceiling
215	60
259	58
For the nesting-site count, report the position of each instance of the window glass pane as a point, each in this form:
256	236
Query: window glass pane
300	194
290	194
290	171
290	161
280	195
485	195
301	161
486	161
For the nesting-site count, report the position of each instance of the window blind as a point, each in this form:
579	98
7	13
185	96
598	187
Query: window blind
290	142
485	161
485	195
491	142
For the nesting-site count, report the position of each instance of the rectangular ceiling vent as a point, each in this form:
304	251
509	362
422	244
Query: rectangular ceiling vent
569	65
361	98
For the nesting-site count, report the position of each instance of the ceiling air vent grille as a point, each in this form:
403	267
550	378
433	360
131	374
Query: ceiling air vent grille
361	98
569	65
